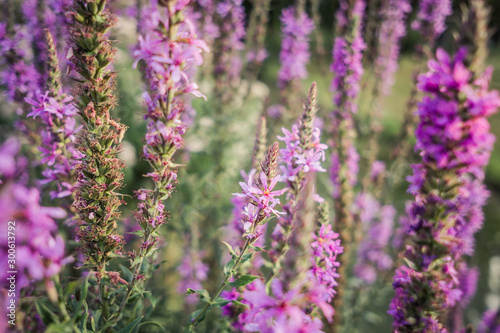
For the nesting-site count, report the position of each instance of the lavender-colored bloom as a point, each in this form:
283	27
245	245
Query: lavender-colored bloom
377	223
392	29
325	249
39	250
192	271
490	322
348	69
295	158
431	18
455	145
347	58
377	169
283	311
294	55
229	44
19	76
168	60
58	134
260	203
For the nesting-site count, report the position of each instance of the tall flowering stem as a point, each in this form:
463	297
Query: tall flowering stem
475	33
169	49
57	112
227	49
255	49
455	144
260	206
392	30
99	171
347	65
301	158
430	24
296	27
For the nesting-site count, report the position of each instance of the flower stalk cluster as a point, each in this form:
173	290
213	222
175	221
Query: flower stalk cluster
100	173
39	250
228	63
326	247
261	202
347	65
57	112
455	144
169	49
294	55
301	157
348	69
377	224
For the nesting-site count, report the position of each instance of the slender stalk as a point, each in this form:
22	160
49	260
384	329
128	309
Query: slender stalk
207	307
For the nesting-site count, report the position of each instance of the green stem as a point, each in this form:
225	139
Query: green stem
221	287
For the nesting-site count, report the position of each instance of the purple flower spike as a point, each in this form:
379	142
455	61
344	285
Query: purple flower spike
294	55
455	145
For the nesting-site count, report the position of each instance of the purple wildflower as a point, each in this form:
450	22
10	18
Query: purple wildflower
261	203
227	48
325	249
348	69
431	18
455	144
170	50
490	322
19	76
283	311
392	29
377	223
294	55
58	154
192	272
40	250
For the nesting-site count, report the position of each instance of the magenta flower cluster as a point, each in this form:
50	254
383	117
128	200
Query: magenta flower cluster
294	56
19	76
431	18
231	14
296	158
377	221
325	249
455	145
392	29
282	311
347	58
57	136
261	201
39	250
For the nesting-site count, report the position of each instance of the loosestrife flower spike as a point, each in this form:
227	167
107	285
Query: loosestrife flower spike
294	54
261	201
57	113
100	173
169	49
455	144
301	156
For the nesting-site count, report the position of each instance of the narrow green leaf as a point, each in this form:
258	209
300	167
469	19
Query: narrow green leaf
219	301
195	314
257	248
230	248
246	257
130	327
229	266
127	273
48	317
243	281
